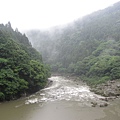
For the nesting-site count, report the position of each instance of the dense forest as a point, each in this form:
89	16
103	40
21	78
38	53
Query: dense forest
21	68
89	47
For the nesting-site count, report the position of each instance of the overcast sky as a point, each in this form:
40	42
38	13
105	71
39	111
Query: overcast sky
42	14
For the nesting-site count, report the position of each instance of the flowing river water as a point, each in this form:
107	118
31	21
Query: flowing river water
65	99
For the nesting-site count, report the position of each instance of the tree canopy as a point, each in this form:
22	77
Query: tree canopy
21	68
88	47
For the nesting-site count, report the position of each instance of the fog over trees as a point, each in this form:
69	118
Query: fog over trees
88	47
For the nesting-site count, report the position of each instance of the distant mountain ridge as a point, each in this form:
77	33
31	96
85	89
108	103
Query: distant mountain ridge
88	47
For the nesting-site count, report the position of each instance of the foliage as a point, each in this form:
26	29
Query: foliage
88	47
21	67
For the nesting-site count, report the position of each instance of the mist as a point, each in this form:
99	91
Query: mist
82	43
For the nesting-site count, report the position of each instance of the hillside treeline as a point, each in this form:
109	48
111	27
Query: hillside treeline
88	47
21	68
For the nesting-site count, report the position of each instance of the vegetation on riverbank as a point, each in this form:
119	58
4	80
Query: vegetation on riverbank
21	68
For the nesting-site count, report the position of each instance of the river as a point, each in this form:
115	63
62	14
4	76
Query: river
65	99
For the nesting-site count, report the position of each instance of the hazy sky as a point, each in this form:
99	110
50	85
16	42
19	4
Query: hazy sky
42	14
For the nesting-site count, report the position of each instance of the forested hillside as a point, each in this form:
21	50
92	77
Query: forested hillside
88	47
21	68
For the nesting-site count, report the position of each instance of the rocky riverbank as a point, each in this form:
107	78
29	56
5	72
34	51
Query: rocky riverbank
108	89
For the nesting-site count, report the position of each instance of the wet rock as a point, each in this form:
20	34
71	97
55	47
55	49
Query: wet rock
112	81
112	92
104	99
94	104
111	98
109	92
103	105
108	89
49	83
118	86
107	98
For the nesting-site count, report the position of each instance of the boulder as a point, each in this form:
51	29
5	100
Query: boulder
103	105
118	86
94	104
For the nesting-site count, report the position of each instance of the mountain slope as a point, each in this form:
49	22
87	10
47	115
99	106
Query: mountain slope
88	47
21	68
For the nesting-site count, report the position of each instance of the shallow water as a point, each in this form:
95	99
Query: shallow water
64	100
